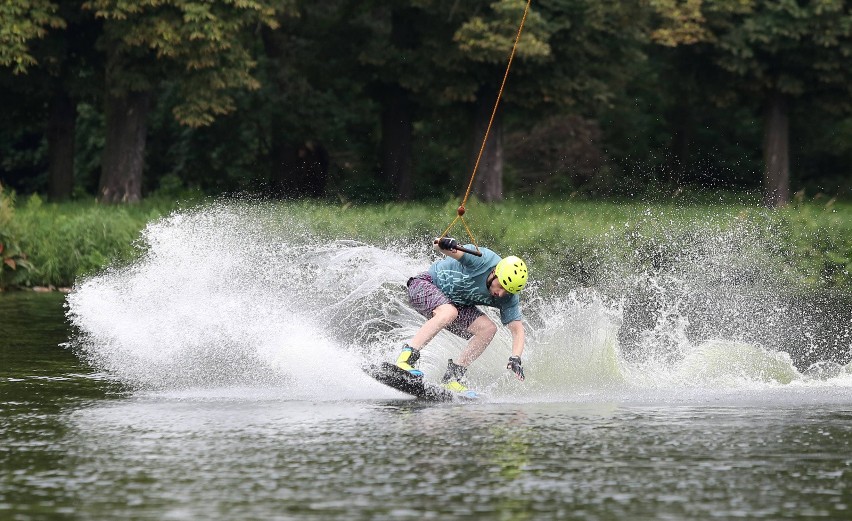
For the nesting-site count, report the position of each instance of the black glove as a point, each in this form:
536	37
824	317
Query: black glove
448	243
514	365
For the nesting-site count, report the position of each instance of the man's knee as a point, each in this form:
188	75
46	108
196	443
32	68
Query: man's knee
491	329
446	313
484	326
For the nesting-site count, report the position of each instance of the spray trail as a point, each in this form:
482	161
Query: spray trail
244	295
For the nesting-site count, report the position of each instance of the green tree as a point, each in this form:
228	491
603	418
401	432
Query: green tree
397	60
322	117
598	57
574	56
483	43
22	22
457	60
204	47
51	56
774	54
392	56
417	66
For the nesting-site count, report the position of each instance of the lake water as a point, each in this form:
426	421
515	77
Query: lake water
197	385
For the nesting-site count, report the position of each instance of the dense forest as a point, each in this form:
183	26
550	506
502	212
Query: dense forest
388	100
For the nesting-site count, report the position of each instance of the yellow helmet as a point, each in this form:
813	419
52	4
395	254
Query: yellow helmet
512	274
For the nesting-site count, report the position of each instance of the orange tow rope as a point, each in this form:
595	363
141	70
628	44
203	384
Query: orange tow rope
461	210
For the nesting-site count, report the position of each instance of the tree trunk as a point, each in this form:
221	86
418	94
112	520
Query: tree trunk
124	153
489	175
298	167
776	152
60	146
396	141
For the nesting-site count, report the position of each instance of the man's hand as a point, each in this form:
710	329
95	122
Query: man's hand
514	365
448	243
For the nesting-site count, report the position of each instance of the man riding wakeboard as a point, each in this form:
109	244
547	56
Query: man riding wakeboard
447	295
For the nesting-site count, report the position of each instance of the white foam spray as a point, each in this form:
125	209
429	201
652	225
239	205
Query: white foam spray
240	295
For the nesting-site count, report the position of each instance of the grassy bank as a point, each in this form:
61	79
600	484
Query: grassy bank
54	244
809	243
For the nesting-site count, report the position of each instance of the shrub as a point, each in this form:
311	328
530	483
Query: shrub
13	261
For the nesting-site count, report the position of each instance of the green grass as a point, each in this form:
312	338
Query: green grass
65	241
808	243
811	240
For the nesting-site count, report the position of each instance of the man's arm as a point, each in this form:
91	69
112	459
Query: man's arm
514	365
516	327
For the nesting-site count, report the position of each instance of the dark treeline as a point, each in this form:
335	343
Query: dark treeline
389	100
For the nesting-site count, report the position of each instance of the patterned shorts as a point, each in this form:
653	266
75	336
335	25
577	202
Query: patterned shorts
425	297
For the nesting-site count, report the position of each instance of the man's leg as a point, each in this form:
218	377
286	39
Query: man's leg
430	302
442	316
480	331
483	330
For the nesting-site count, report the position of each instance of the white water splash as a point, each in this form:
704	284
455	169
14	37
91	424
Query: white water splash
243	296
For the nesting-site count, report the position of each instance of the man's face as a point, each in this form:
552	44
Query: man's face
495	288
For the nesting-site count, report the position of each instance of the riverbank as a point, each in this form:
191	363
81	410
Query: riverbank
808	245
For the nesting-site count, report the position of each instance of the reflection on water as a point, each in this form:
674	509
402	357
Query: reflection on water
166	457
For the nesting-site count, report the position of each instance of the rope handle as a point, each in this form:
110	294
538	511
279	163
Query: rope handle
468	250
462	248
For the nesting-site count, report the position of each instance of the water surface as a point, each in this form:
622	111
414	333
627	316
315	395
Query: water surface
76	444
218	377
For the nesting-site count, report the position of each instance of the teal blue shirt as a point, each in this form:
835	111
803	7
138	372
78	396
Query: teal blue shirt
464	283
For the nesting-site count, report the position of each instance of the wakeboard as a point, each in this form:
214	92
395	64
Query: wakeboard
416	386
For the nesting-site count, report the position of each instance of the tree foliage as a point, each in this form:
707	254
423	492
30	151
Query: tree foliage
773	54
486	37
22	22
348	97
203	44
